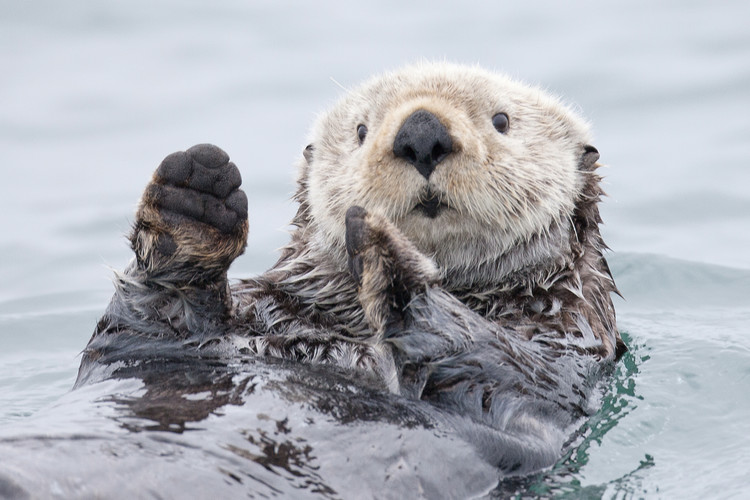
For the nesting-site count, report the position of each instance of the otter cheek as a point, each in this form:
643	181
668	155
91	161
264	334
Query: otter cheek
327	204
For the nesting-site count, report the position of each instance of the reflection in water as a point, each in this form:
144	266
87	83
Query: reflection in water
192	398
333	393
176	396
178	392
291	456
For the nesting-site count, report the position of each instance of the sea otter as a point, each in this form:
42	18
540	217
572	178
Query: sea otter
446	249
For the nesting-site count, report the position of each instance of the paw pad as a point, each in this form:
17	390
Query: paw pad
200	183
205	168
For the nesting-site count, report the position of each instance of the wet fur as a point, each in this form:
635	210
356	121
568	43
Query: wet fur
498	312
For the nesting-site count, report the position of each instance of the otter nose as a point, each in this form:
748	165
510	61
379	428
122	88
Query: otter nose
423	141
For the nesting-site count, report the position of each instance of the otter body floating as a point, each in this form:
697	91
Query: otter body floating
446	252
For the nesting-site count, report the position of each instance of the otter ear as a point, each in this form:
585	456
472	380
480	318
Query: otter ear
588	159
308	153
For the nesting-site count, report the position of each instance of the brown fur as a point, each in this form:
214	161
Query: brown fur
498	307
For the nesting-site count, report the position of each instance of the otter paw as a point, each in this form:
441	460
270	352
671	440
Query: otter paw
376	247
357	240
388	268
192	215
202	184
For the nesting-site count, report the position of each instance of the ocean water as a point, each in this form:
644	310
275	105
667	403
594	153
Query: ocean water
93	95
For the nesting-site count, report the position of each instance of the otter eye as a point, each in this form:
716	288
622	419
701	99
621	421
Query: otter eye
500	122
361	132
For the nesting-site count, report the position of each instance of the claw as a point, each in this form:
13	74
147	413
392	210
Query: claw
356	239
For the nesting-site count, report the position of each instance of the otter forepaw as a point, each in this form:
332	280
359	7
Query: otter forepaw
192	213
202	184
388	268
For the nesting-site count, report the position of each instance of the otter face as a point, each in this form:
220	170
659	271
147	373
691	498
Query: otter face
464	162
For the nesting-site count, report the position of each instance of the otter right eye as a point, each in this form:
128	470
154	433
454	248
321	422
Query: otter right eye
501	122
361	133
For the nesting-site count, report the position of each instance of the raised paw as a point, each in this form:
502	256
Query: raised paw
387	267
192	214
200	183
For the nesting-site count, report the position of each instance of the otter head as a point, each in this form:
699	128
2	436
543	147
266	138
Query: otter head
467	164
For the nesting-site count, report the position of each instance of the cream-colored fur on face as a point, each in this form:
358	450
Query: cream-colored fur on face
502	188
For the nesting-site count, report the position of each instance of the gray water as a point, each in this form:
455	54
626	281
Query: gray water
93	95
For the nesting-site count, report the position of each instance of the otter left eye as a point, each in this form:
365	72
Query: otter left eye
361	133
501	122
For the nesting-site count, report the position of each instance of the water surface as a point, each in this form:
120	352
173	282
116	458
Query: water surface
94	95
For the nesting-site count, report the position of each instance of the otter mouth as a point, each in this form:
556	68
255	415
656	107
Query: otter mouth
430	205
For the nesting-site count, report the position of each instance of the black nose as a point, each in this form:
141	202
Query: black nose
423	141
